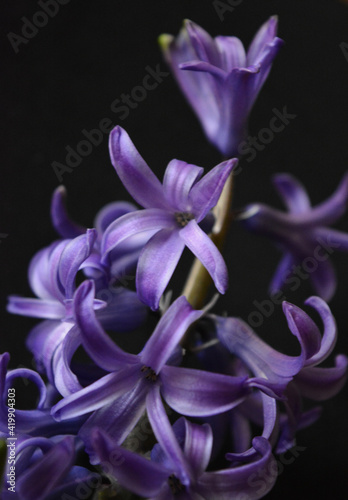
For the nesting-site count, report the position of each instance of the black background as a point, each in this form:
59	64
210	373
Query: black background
64	80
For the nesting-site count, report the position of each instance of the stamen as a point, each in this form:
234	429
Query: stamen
183	218
150	373
175	484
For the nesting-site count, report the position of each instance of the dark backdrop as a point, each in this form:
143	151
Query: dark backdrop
65	78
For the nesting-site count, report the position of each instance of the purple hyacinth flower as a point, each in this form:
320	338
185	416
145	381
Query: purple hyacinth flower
178	465
264	362
52	276
119	398
172	213
306	379
302	234
219	79
312	382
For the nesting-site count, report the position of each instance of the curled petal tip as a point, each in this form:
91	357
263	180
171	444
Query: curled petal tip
91	235
187	23
273	23
315	300
5	356
116	131
232	163
287	307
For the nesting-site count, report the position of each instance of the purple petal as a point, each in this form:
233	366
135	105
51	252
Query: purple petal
244	481
99	346
264	62
334	207
33	377
117	418
239	338
96	395
165	436
178	180
27	421
65	381
329	338
199	88
324	214
323	383
205	193
156	265
111	212
273	388
136	176
204	249
240	432
304	328
202	43
197	393
134	472
133	223
232	53
61	221
168	333
261	410
263	37
54	256
204	67
293	193
36	308
73	255
338	240
196	442
43	340
237	95
42	267
198	446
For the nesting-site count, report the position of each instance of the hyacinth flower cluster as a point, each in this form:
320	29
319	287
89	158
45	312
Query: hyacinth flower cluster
200	410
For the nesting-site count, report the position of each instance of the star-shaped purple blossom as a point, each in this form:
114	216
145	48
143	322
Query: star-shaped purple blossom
119	398
172	214
306	378
177	469
52	275
219	79
301	234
